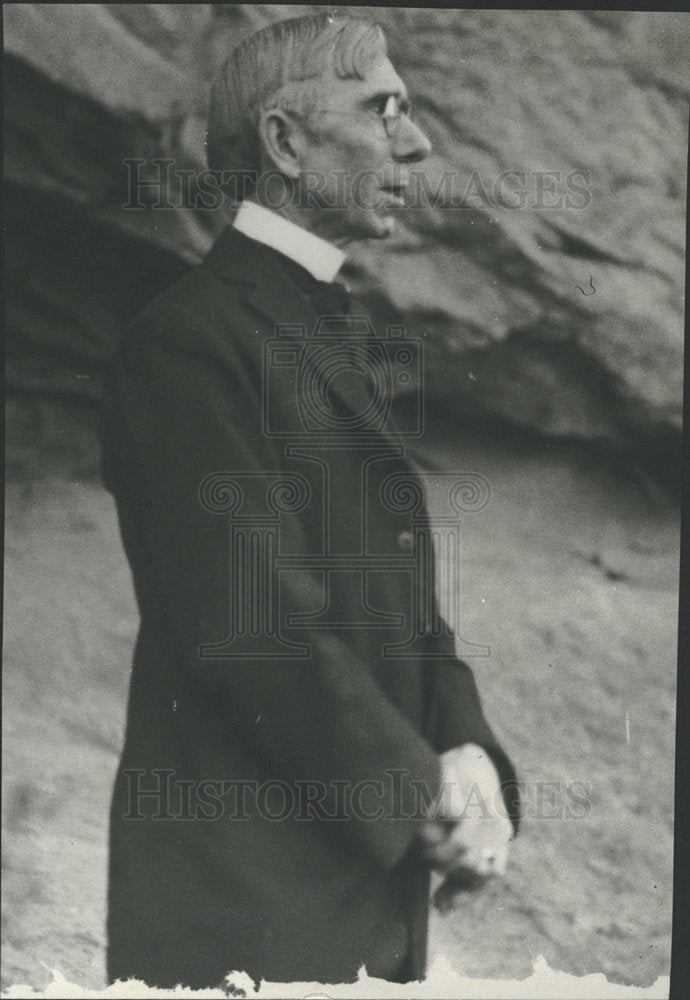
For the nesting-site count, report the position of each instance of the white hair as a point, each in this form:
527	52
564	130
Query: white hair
281	66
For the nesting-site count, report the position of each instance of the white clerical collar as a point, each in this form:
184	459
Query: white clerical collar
317	256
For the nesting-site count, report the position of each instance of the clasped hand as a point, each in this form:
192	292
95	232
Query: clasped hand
467	834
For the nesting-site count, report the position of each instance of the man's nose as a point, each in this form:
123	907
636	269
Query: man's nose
411	144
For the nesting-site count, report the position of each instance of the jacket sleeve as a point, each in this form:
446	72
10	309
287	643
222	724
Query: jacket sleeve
178	409
459	719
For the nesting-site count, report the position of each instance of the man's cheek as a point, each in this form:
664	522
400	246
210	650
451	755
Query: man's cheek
359	155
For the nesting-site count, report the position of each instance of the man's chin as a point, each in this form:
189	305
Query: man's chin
380	227
375	227
388	224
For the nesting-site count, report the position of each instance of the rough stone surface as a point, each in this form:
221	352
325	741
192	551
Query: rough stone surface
563	315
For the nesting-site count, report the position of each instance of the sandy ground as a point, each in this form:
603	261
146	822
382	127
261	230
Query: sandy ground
570	574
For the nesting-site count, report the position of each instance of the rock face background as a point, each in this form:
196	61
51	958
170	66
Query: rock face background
566	398
589	108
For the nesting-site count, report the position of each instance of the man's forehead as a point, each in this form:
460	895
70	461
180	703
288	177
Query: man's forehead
380	77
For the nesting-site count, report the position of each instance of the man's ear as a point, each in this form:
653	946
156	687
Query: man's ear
280	138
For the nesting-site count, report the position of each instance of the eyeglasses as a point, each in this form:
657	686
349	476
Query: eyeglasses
395	109
391	109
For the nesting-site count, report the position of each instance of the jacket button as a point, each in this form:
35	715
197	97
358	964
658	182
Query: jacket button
404	541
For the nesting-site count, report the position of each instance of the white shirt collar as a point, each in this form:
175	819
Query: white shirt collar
319	257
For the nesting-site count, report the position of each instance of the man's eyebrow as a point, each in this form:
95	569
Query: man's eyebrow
384	94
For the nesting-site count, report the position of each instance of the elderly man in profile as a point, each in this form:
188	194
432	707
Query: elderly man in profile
285	789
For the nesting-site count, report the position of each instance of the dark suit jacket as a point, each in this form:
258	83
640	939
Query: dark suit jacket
204	879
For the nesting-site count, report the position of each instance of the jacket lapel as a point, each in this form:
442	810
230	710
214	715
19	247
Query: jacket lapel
269	289
237	260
